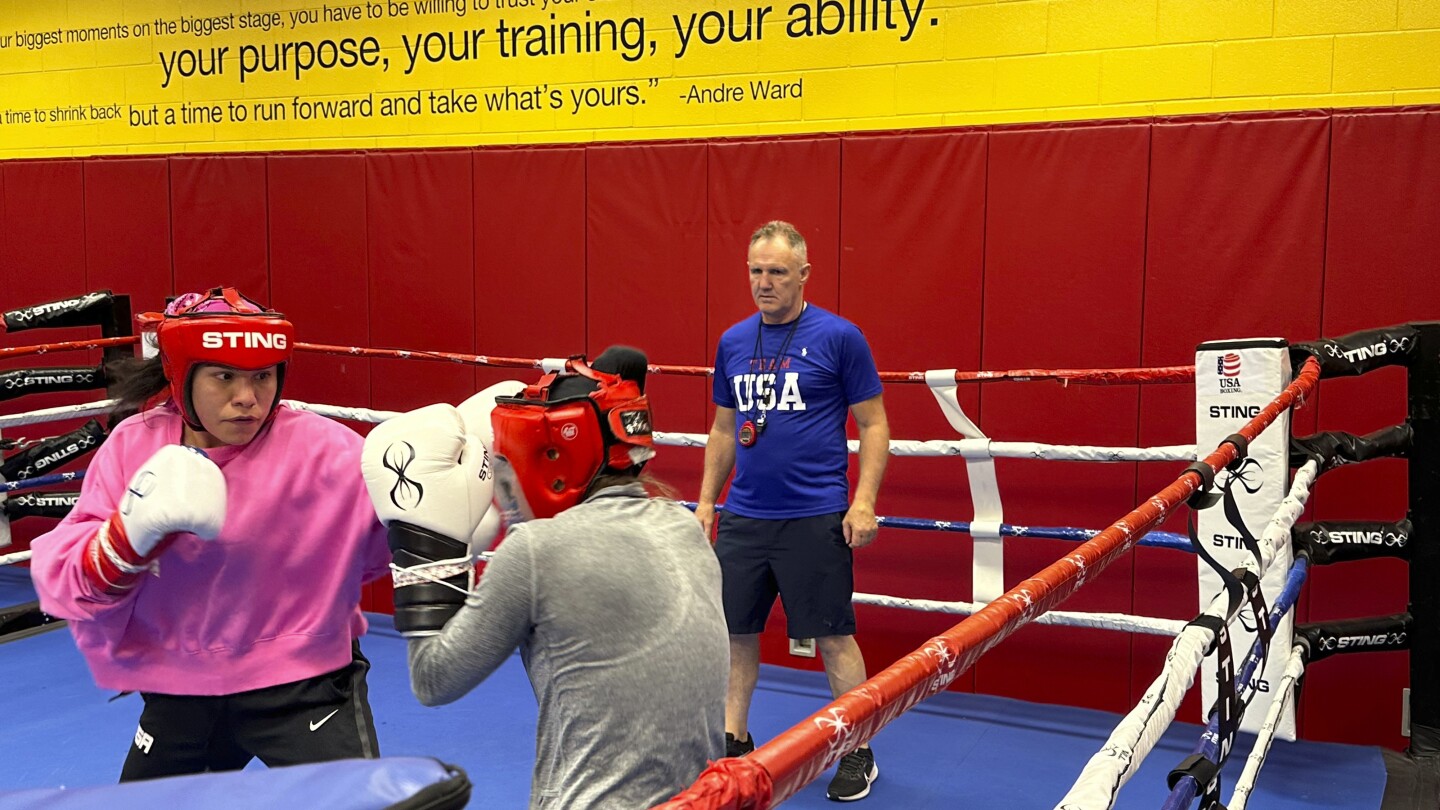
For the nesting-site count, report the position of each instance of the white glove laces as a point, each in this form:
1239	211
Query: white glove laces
437	572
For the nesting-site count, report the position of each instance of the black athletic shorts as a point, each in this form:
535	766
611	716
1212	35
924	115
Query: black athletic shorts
804	560
317	719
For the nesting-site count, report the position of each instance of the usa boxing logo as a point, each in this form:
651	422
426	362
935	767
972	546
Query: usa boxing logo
398	457
1227	369
1228	365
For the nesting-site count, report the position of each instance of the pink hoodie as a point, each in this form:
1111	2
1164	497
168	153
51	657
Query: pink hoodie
275	598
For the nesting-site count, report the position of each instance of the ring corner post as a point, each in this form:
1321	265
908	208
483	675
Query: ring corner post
1423	400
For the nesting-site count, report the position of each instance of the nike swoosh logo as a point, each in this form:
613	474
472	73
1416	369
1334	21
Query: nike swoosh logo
314	726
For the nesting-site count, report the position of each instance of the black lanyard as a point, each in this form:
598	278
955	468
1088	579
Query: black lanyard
758	358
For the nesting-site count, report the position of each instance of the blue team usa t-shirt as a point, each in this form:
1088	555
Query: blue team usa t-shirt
797	466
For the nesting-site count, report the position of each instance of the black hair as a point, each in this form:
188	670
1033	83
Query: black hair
133	382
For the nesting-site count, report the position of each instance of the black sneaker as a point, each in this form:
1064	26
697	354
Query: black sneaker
852	779
738	748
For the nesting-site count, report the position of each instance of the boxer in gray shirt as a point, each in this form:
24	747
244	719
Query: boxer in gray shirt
615	606
611	595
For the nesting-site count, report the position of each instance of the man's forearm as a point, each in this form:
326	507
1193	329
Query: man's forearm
874	455
719	461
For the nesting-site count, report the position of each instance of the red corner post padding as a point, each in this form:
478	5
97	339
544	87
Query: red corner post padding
796	757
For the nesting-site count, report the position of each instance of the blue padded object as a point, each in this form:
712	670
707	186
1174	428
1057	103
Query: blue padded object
356	784
15	585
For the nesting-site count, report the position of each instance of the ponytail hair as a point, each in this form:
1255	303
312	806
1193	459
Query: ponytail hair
134	381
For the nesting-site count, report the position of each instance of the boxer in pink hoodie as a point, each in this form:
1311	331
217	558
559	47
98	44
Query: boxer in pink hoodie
215	557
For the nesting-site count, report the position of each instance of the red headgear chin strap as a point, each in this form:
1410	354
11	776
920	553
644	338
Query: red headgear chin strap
557	443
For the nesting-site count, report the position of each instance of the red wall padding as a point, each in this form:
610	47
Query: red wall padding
1111	244
529	255
645	283
1064	259
913	227
422	277
42	244
318	263
127	228
217	223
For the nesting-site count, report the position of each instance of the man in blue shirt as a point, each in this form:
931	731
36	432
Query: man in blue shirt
785	380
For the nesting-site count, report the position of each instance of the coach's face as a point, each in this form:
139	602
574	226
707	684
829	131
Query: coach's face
777	280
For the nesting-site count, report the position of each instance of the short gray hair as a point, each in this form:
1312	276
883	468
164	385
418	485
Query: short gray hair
780	229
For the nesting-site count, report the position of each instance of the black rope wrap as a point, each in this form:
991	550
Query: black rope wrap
1338	541
1336	447
22	381
1359	352
47	456
1205	772
39	504
1242	449
1372	634
1202	497
90	309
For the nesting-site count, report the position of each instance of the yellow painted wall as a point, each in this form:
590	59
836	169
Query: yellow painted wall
88	77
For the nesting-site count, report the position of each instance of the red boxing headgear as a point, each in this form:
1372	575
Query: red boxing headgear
220	327
559	434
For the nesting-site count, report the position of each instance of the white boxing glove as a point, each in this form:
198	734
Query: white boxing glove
476	412
431	482
423	468
178	490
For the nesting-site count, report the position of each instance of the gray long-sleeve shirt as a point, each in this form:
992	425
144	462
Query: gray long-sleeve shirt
615	606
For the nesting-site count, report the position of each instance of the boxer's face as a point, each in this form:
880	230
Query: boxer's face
232	404
777	280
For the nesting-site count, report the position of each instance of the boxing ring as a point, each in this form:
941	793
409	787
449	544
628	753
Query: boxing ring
983	751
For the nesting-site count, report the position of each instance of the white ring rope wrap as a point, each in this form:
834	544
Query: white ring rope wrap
1294	668
988	548
988	448
342	412
56	414
1137	733
1096	621
17	557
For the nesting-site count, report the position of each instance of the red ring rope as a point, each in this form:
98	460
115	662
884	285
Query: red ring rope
1090	376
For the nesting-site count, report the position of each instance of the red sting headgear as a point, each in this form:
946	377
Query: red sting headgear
220	327
559	434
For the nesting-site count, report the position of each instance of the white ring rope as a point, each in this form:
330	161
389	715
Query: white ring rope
1097	621
968	448
17	557
56	414
987	448
1137	733
1294	668
343	412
